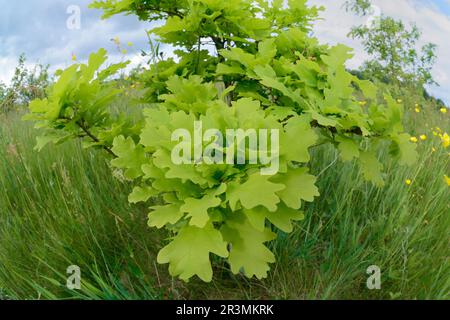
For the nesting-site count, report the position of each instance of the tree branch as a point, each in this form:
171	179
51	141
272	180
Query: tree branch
93	137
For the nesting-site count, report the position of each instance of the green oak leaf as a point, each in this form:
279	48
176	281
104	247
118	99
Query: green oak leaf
256	191
142	194
371	168
337	56
248	252
367	87
197	209
268	78
297	139
129	156
186	172
307	71
189	253
164	215
404	149
348	148
299	186
282	218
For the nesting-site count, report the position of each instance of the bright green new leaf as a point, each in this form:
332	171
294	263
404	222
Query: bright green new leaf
256	191
164	215
197	209
349	149
299	186
142	194
297	139
248	252
371	168
130	156
404	149
282	218
189	253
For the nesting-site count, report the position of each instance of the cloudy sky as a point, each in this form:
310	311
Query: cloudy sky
39	29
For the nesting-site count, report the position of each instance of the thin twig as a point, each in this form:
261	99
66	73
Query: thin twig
94	138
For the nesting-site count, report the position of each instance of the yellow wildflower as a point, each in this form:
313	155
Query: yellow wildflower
447	180
413	139
438	129
74	57
433	149
417	110
435	133
445	140
423	137
130	44
399	100
408	182
444	110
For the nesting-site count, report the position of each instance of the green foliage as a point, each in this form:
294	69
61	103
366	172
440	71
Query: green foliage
77	106
268	74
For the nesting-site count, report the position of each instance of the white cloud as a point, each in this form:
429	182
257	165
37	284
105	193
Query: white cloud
6	68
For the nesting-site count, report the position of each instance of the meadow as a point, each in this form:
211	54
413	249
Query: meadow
62	207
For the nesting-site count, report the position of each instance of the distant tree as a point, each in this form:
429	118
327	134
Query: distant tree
360	7
25	85
393	47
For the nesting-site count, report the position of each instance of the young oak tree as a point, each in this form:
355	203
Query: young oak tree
242	64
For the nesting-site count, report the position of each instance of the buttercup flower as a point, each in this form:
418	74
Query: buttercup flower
423	137
444	110
408	182
445	140
413	139
447	180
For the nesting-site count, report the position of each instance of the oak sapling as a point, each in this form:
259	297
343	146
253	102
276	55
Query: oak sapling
274	77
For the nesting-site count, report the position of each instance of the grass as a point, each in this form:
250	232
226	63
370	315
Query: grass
63	207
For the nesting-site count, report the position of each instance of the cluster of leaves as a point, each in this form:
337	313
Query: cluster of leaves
77	106
26	85
267	73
